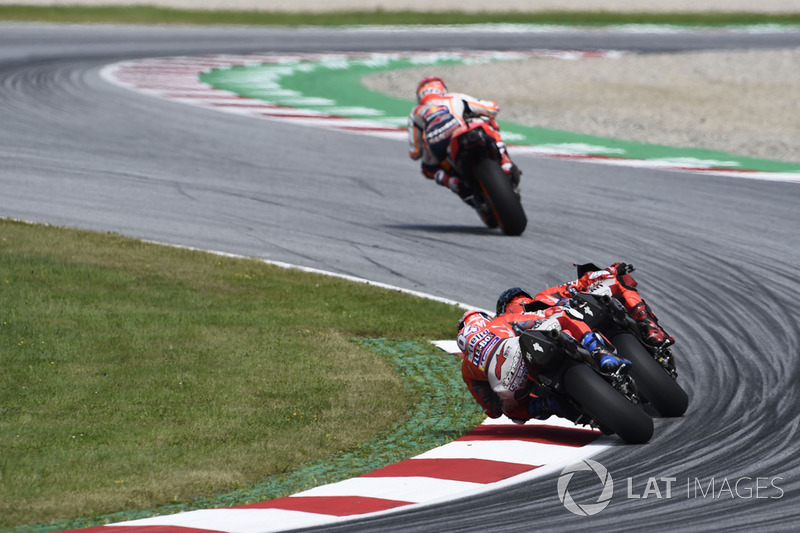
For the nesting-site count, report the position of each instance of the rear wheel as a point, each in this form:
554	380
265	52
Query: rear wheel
607	406
503	201
653	382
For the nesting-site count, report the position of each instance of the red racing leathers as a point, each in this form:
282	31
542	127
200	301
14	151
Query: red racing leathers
617	282
493	366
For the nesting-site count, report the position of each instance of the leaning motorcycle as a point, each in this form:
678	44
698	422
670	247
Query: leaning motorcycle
653	368
475	159
607	401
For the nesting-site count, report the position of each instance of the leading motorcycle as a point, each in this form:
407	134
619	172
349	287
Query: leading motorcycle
653	368
474	157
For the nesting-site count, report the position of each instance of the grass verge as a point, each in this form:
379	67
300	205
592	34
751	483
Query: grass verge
156	15
135	376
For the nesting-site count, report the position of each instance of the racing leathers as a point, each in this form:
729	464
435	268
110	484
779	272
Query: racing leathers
617	281
433	122
494	369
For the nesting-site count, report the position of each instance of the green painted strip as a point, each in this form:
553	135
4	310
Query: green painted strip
442	411
333	86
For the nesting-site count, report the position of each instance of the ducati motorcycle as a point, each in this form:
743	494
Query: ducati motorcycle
607	401
653	368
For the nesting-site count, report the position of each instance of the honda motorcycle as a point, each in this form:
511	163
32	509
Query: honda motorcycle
475	159
653	368
607	401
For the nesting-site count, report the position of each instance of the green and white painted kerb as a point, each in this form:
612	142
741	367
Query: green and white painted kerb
325	91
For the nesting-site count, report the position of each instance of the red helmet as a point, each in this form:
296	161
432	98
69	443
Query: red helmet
430	85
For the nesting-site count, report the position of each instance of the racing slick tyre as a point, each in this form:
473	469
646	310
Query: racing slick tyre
505	204
653	382
610	409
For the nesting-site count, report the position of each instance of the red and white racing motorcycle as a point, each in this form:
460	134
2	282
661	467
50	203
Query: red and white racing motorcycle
475	159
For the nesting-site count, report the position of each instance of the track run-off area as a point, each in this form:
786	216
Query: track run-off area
323	90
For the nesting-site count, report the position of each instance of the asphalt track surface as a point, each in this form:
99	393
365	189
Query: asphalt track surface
716	257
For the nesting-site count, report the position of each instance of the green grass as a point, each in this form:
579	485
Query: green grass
155	15
134	375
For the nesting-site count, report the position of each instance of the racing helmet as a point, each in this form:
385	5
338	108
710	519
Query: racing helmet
507	295
431	85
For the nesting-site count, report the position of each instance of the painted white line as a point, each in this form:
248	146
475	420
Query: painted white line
311	270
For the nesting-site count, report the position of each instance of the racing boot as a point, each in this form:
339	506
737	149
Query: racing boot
610	363
508	166
601	352
453	183
463	191
652	333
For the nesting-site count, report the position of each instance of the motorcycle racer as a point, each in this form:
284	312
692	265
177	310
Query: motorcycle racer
494	368
622	285
433	121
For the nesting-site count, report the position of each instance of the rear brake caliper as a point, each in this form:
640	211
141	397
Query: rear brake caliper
663	356
624	384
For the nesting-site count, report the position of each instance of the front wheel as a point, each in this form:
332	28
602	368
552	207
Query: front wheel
607	406
651	379
505	205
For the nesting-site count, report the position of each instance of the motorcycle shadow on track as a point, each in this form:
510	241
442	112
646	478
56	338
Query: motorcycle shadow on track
432	228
